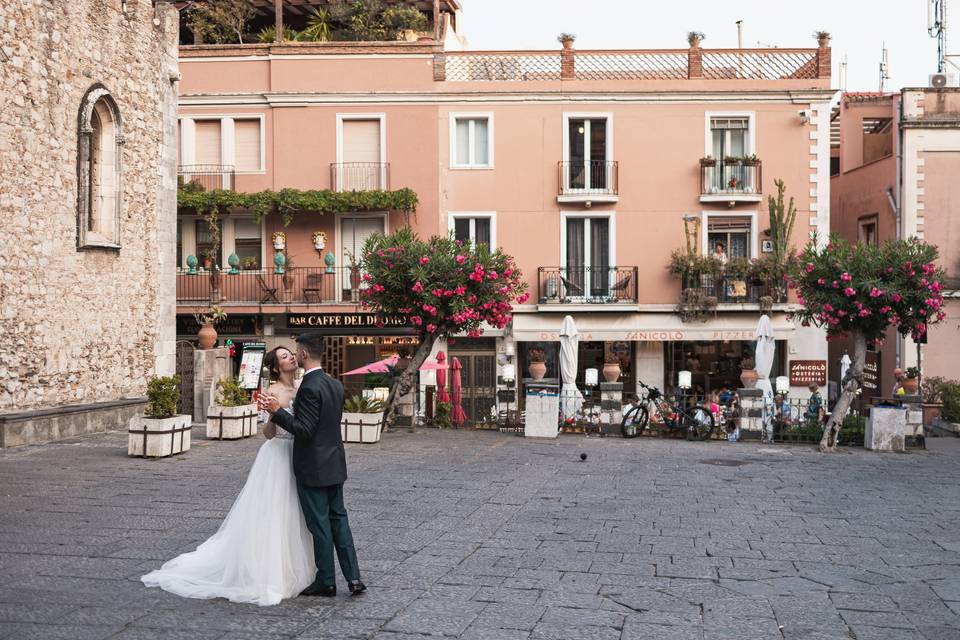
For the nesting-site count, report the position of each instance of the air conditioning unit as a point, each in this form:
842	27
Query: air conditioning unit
942	80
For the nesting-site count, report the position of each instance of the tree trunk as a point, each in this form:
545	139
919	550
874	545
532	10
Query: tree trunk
405	382
849	386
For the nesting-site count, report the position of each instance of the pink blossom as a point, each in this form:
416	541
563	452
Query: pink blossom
461	259
809	267
841	313
864	313
366	277
380	253
889	269
460	290
836	285
378	288
424	260
828	307
431	328
523	298
846	277
896	297
941	315
875	293
849	292
417	320
801	300
417	288
472	299
821	281
491	275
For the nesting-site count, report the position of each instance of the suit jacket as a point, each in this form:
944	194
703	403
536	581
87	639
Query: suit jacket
318	456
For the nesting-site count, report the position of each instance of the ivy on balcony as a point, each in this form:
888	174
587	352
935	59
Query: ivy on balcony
290	202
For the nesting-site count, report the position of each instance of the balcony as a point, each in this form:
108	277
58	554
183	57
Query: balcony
731	181
360	176
588	181
732	289
207	176
587	285
264	287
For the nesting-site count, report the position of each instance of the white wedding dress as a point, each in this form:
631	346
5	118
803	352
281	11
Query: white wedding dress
262	552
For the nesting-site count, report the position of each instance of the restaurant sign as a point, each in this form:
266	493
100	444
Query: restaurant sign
803	372
338	324
233	325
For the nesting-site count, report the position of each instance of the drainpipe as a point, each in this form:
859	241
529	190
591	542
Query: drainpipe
896	213
896	198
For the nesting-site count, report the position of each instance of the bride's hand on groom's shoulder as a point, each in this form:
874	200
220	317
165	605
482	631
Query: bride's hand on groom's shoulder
268	403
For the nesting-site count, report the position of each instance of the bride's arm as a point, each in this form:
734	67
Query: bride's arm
269	429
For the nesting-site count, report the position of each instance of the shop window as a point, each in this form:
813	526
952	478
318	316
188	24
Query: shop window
729	236
551	353
714	364
248	243
99	167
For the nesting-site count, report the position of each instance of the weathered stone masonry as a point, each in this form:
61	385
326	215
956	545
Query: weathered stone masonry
87	326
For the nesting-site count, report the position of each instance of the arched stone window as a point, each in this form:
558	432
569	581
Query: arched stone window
99	164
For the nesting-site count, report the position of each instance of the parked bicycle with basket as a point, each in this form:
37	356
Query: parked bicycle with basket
654	412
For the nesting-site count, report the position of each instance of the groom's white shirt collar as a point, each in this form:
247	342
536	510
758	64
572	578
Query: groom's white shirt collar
309	371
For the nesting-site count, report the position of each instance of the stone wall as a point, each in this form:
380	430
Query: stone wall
85	326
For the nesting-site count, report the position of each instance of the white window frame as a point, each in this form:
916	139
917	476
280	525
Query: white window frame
473	115
188	143
751	142
188	239
453	216
752	245
338	243
586	115
341	118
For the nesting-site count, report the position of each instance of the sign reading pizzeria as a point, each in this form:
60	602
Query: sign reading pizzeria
346	324
803	372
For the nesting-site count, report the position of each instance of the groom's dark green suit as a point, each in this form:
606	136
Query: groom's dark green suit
320	465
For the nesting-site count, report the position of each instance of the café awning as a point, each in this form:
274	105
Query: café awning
645	327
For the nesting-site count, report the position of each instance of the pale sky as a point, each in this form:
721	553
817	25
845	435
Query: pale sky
859	28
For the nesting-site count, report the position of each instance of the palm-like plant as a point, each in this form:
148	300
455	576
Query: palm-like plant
318	26
269	34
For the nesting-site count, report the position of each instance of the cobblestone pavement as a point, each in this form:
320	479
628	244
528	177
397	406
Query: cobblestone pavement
486	536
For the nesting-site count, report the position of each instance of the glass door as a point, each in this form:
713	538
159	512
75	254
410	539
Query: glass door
587	165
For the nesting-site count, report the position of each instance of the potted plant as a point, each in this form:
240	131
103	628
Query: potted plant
822	37
232	415
694	38
442	415
362	419
708	161
249	263
207	335
748	374
566	39
160	432
911	384
538	366
750	161
611	367
931	391
732	161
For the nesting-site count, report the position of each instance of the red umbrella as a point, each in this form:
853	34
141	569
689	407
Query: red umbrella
457	416
442	395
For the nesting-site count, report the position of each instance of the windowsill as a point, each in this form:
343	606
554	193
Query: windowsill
471	167
95	242
588	197
731	197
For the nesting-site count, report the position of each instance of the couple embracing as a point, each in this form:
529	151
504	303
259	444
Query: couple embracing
263	552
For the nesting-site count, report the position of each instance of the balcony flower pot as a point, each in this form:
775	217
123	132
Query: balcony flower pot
708	162
611	371
232	416
160	432
910	386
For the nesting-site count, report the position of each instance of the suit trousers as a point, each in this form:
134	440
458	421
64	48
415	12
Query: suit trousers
326	517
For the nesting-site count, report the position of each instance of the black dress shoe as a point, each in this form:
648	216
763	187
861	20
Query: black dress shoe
356	587
316	589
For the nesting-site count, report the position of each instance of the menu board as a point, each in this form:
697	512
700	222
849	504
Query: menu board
251	364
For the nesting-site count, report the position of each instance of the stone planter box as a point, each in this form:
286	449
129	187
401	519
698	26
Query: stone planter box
158	437
943	427
231	423
361	427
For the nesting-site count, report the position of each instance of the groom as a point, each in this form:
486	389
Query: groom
320	465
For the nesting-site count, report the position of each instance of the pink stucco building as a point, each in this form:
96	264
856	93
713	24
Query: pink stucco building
582	164
896	157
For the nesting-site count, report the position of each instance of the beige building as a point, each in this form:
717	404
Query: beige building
88	210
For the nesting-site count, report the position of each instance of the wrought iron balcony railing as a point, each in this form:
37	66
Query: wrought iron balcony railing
587	285
588	177
297	285
727	288
722	178
360	176
208	176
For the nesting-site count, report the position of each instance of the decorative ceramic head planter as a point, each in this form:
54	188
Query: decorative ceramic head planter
279	240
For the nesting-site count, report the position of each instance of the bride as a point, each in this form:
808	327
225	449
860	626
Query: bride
262	552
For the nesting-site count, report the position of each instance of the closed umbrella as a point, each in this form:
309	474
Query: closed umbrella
442	395
844	366
457	416
763	355
571	398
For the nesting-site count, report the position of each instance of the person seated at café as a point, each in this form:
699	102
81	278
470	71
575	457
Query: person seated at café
814	411
726	395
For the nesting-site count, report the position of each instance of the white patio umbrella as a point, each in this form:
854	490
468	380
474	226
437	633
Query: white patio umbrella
763	356
570	397
845	363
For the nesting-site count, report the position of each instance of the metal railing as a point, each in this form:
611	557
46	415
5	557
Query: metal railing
732	288
207	176
360	176
588	177
731	178
587	285
662	64
297	285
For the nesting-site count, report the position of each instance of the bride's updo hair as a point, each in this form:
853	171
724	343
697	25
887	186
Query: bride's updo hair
272	362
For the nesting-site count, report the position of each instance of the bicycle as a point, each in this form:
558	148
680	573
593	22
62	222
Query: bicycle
695	422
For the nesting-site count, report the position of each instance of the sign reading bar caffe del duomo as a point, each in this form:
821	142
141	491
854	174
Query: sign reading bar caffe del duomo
336	323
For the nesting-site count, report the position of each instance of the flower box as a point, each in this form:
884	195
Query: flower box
361	427
158	437
232	423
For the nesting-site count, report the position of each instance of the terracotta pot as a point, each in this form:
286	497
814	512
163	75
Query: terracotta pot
207	336
354	278
748	377
910	386
537	370
611	372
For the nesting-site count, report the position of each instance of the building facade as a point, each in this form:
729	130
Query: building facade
585	166
88	202
896	155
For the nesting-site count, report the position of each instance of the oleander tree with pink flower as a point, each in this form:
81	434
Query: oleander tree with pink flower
442	285
860	291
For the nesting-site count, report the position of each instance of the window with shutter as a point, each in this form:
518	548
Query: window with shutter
207	140
247	145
